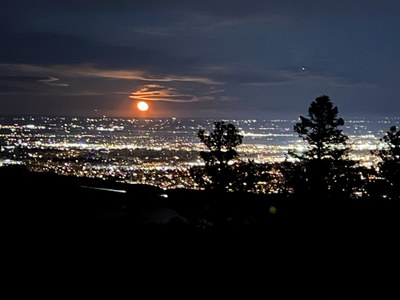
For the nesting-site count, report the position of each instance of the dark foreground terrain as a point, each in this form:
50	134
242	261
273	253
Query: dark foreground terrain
53	202
333	244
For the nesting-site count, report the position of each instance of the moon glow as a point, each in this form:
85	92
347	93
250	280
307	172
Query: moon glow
143	106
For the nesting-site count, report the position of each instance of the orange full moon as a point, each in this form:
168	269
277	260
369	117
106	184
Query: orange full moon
143	106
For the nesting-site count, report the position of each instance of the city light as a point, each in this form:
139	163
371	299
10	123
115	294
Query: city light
159	152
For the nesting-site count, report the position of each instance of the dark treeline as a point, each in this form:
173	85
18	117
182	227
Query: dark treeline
322	170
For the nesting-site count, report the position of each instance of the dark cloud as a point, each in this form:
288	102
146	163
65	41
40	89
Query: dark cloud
54	48
9	89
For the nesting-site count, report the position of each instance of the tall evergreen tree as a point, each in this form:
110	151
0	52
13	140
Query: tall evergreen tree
321	132
389	167
323	168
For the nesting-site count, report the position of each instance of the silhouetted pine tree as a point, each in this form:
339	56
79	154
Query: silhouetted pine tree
323	168
389	167
218	172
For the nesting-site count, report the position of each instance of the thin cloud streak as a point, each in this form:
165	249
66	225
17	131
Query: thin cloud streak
53	81
153	92
86	70
138	75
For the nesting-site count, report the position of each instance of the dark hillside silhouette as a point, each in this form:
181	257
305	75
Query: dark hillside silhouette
99	210
44	202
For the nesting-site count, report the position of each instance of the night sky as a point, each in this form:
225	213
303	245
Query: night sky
208	58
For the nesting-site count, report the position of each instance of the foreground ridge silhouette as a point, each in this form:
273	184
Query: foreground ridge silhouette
102	205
